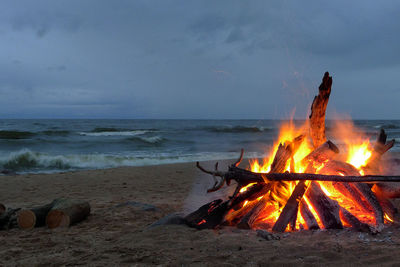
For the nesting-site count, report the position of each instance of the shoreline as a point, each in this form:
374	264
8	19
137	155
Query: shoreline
117	234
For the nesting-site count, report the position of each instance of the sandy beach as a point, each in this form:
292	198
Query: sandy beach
119	235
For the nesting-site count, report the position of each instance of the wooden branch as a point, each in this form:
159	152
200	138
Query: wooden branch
291	208
318	108
66	212
326	208
308	217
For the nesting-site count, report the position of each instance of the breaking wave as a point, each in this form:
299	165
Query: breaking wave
26	160
115	133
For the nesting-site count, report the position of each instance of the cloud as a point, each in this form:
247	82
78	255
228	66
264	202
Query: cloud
163	59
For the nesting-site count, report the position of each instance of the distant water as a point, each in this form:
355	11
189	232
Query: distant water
62	145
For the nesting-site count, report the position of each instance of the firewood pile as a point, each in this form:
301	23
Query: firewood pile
318	190
61	212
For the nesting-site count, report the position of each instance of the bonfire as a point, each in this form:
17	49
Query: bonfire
307	182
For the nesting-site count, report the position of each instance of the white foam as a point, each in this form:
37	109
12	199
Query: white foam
122	133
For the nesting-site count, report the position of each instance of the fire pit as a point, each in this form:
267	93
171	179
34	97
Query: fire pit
307	183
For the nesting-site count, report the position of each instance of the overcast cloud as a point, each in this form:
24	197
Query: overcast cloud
197	59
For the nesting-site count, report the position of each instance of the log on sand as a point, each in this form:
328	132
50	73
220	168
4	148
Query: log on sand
34	217
66	212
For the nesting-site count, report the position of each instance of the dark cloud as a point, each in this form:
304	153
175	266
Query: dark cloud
195	59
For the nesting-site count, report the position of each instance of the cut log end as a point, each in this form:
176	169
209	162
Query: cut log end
26	219
57	218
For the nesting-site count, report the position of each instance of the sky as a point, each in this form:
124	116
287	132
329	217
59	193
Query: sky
197	59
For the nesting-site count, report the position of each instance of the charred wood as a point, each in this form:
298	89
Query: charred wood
208	216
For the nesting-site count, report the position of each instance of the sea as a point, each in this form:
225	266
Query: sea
43	146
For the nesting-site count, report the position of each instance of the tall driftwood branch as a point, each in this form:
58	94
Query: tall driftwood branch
318	108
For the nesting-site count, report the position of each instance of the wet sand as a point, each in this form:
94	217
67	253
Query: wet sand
120	235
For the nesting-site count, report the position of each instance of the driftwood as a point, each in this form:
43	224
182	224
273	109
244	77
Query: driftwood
326	208
34	217
318	108
66	212
308	217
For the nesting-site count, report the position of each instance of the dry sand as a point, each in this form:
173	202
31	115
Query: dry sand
120	235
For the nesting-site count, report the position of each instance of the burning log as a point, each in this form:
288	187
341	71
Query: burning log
284	153
308	217
289	212
66	212
363	189
327	209
321	154
250	218
318	108
253	192
387	207
350	219
350	192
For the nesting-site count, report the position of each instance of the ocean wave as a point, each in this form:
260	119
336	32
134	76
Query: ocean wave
115	133
148	140
236	129
16	134
55	132
26	160
387	126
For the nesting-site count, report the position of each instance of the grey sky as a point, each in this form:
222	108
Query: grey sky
197	59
